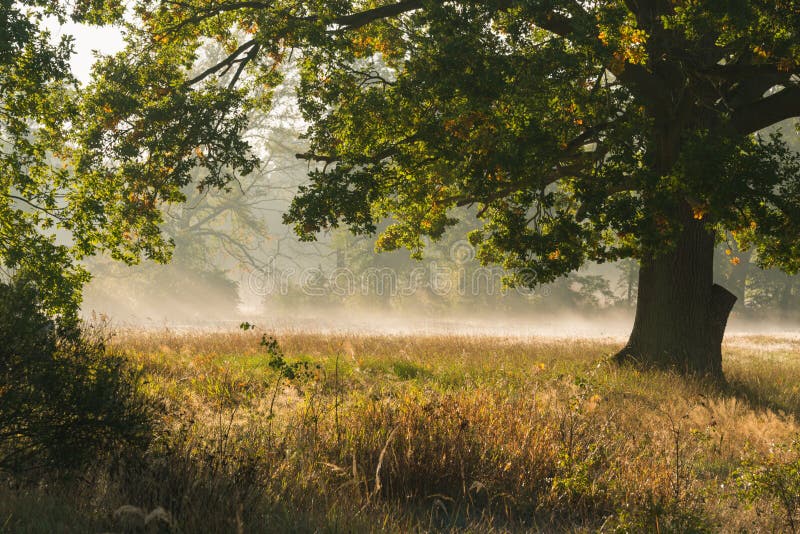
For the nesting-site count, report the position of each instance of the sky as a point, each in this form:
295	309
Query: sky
88	39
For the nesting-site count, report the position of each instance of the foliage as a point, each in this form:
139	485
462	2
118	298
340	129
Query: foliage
773	290
765	292
277	361
63	399
54	210
583	132
34	104
218	235
450	279
776	478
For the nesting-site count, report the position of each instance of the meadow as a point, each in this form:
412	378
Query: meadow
308	432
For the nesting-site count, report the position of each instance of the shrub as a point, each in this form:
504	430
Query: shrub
775	478
63	398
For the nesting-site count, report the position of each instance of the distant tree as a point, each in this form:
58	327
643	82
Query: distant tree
452	279
218	233
628	280
733	266
581	291
583	131
772	292
764	291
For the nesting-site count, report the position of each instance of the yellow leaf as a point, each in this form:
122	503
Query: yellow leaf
699	212
761	52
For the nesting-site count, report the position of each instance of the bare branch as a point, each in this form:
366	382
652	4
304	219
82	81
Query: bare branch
247	59
37	207
226	64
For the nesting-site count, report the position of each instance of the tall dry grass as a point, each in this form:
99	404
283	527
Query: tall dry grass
402	434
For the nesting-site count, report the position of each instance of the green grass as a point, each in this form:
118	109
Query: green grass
406	434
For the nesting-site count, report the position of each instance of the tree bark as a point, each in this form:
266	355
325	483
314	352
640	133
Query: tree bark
680	313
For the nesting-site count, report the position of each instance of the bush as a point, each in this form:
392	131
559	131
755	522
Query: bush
776	479
63	399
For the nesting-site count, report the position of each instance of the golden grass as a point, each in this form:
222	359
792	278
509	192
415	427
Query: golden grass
399	433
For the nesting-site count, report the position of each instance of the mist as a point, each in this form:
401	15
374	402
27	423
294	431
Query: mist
319	288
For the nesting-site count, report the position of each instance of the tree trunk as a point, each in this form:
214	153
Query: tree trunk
680	313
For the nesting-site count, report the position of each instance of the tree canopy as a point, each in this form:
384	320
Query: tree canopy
580	129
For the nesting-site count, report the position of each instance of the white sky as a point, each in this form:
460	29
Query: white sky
105	40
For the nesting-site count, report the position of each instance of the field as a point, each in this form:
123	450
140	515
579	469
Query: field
343	433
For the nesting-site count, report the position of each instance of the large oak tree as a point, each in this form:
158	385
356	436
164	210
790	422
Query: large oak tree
581	130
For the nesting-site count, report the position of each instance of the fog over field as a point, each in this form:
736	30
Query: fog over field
239	263
318	288
183	312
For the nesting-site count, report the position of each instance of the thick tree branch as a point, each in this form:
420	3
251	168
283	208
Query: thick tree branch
311	156
752	90
363	18
734	72
380	155
645	84
586	137
555	23
549	20
647	11
344	22
743	83
782	105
